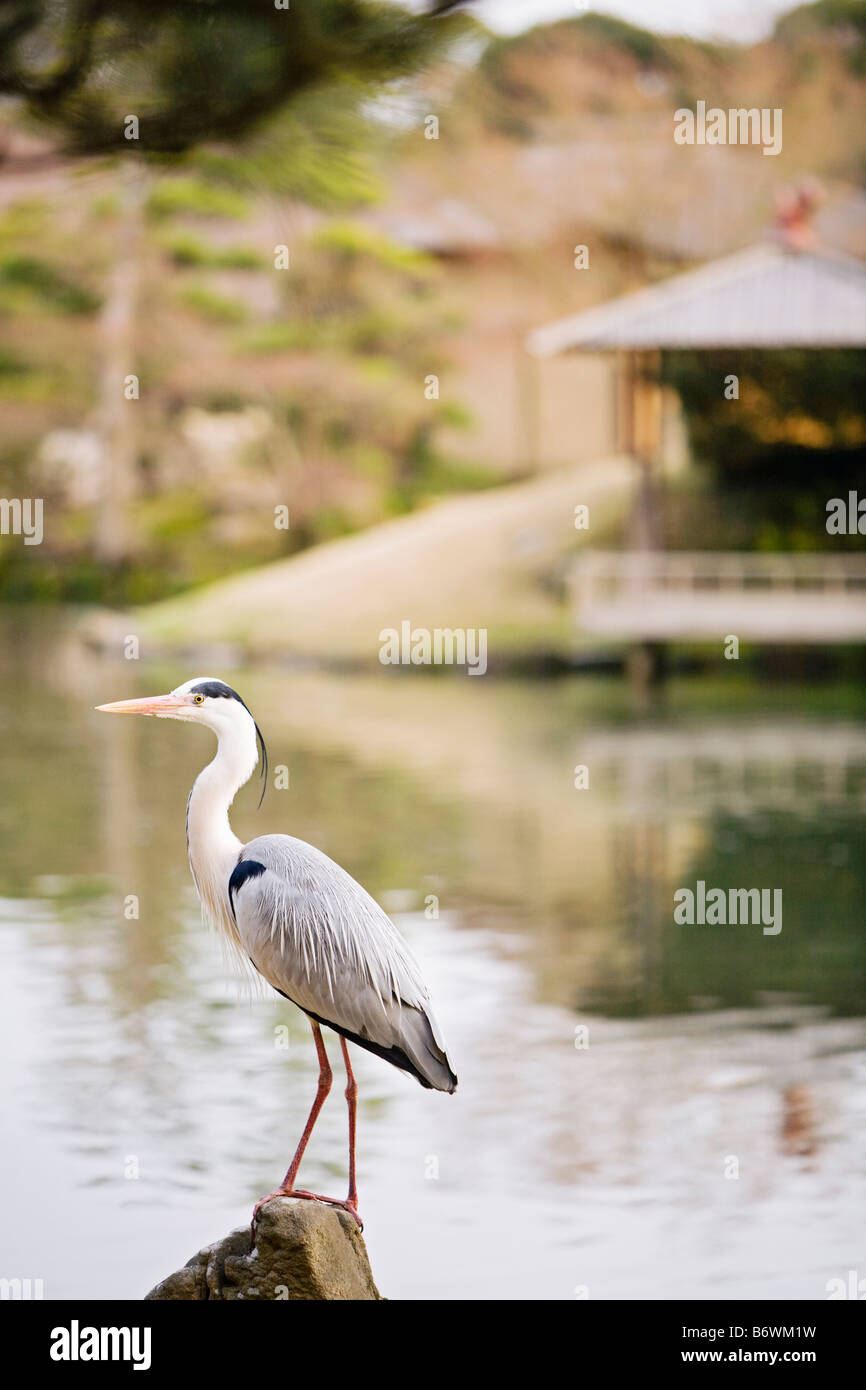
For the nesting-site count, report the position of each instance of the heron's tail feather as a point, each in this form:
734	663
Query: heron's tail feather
417	1051
429	1061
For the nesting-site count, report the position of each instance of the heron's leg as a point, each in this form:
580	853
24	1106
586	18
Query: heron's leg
351	1203
352	1101
325	1079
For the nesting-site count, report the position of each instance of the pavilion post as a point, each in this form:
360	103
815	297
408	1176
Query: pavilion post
644	446
646	662
528	433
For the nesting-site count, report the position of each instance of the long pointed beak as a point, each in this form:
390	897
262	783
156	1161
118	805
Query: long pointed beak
164	705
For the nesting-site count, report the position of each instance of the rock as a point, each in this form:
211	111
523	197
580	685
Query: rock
304	1250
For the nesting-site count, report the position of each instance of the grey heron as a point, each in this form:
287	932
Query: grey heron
308	928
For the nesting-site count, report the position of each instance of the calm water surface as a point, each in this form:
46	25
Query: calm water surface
645	1109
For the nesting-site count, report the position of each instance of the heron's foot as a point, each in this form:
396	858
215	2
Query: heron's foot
262	1202
348	1206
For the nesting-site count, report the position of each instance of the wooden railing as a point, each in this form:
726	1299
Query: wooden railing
739	766
659	595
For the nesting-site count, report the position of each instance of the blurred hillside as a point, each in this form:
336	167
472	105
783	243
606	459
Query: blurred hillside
409	258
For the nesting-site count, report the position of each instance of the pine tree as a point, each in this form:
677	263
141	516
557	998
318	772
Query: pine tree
260	89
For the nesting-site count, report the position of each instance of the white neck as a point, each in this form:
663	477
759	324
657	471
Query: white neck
212	844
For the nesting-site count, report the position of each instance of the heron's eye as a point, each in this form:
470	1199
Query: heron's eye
198	699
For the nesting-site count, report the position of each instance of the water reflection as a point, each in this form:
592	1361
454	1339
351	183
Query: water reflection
557	1165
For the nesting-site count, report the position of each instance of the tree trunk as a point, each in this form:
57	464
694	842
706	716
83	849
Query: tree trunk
117	415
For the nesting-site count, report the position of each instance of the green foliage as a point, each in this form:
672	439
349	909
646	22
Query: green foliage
511	103
328	524
23	220
46	284
194	73
285	335
187	250
378	371
844	17
22	380
816	956
646	48
352	241
371	461
320	149
217	308
455	415
54	577
189	197
374	330
11	365
795	437
105	207
238	106
176	516
424	473
514	94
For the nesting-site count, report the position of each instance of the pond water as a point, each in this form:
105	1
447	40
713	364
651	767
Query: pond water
645	1110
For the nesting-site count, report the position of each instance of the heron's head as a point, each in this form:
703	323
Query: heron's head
203	700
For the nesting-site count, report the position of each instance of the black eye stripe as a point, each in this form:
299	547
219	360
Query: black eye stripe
216	690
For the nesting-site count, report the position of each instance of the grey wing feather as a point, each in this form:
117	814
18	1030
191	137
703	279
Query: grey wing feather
319	938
